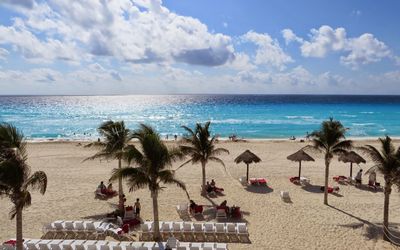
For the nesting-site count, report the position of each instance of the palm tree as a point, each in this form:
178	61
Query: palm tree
114	145
387	162
330	139
201	148
153	162
16	180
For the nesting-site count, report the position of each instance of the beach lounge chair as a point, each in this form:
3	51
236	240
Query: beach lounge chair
44	246
209	232
198	232
182	248
177	230
220	232
182	209
221	214
69	229
172	242
166	230
258	181
145	231
231	232
188	231
243	180
31	246
304	180
55	246
242	232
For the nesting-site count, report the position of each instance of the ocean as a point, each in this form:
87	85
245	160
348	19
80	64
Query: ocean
247	116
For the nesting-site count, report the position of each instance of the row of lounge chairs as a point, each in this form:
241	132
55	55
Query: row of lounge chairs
37	244
189	231
81	230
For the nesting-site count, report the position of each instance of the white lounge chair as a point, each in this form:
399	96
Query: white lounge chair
221	214
242	231
198	231
188	231
182	209
209	231
220	231
177	230
166	229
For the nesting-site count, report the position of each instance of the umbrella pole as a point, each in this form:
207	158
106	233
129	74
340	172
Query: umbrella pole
299	169
351	169
247	175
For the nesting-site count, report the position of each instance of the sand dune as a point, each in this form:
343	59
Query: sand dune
352	221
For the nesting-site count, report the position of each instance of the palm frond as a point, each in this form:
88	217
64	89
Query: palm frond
37	181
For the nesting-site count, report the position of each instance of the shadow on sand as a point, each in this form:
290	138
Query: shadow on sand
260	189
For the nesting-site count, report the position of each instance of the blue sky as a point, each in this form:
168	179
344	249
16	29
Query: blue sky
180	46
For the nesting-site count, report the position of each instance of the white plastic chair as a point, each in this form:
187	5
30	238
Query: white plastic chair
285	195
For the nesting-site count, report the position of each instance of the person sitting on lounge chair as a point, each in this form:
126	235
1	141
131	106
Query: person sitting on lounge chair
215	188
110	191
194	208
209	188
102	187
223	205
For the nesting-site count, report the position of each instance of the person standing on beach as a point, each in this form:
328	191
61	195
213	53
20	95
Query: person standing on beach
137	207
175	137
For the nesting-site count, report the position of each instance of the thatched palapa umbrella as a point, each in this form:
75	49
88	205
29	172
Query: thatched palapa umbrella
300	156
351	157
247	157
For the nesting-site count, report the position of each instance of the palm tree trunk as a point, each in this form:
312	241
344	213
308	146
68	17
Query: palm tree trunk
351	169
388	190
247	175
327	162
156	230
120	189
19	228
299	169
203	172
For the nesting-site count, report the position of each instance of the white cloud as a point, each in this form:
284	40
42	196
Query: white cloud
357	51
268	50
21	3
130	31
324	40
289	36
364	50
225	24
32	48
3	53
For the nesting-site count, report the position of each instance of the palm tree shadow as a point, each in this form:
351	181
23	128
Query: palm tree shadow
352	216
259	189
369	189
96	216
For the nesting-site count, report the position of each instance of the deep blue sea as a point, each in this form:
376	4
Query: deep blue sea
248	116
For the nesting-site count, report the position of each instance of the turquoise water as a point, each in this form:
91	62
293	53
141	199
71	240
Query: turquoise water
248	116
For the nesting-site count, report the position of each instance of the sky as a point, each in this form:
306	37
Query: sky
99	47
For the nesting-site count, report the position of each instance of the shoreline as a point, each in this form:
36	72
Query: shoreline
222	139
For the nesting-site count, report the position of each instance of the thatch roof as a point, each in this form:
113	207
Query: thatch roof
247	157
352	157
300	156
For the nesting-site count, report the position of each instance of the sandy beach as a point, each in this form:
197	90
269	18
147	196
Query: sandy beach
352	221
